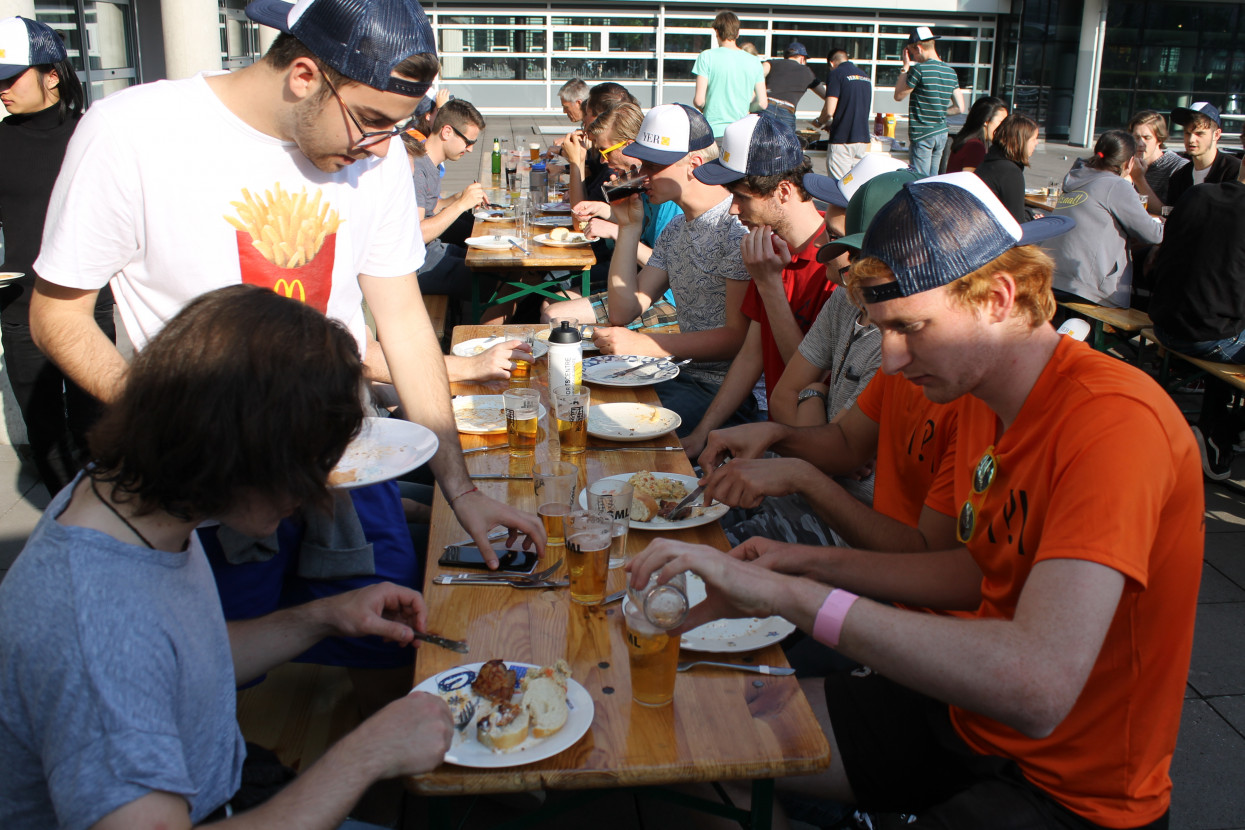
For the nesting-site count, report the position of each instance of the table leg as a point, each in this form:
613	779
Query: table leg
476	310
762	803
585	280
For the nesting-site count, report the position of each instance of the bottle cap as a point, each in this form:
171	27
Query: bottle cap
538	166
564	333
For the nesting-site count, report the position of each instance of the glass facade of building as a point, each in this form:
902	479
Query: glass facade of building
100	38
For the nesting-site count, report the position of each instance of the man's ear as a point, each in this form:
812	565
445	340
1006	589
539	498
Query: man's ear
1002	297
303	78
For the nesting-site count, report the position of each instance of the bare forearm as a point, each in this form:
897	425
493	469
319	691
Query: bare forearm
433	226
711	344
72	339
860	525
624	302
735	389
786	331
260	644
823	446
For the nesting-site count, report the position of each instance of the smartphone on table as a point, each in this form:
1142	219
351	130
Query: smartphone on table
465	556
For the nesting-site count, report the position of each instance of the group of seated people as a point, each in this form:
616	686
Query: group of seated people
924	499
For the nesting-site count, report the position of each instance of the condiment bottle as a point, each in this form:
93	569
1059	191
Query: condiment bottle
566	358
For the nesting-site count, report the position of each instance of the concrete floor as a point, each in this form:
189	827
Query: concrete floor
1209	766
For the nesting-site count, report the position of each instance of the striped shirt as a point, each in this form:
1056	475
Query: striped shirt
933	83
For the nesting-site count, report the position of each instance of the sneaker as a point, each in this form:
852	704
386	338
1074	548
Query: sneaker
1216	461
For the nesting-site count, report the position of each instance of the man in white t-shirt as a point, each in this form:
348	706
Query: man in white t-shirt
279	174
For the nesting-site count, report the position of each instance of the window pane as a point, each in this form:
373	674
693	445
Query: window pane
822	26
678	69
467	20
576	42
109	36
633	42
957	51
481	68
891	48
605	69
65	23
492	40
694	44
613	22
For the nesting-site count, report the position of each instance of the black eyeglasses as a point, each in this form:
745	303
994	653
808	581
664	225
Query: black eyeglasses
366	139
468	141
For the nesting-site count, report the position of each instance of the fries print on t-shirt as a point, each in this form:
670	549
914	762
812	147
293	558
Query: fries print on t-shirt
287	243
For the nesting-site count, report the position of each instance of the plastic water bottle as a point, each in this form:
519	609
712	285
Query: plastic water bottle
566	358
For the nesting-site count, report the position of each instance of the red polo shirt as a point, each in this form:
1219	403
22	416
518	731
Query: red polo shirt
807	289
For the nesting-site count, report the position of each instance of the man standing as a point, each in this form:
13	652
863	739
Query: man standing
454	134
932	84
1056	701
845	115
303	198
728	80
763	166
1199	302
786	82
1202	129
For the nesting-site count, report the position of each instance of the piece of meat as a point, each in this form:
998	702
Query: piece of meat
494	682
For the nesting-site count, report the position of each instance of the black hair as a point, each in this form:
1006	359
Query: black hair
68	87
979	115
1112	151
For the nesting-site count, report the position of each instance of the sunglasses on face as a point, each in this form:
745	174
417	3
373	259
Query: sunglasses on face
468	141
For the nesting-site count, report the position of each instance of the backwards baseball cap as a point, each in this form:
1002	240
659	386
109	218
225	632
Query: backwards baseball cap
755	145
1183	115
669	132
362	39
25	43
796	48
840	192
921	33
868	199
939	229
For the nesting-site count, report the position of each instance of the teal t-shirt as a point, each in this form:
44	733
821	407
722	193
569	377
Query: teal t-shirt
933	83
733	75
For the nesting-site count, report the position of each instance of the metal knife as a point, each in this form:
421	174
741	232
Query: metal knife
498	477
453	645
686	503
486	449
633	449
515	243
631	369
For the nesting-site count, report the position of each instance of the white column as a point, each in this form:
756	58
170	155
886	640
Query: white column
13	8
267	35
191	36
1088	73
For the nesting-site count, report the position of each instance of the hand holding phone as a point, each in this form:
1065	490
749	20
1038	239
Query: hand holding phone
512	561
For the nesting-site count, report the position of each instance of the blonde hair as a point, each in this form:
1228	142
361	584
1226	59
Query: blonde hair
1029	266
621	121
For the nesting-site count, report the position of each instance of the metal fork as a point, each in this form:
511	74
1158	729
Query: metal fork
539	576
509	583
776	670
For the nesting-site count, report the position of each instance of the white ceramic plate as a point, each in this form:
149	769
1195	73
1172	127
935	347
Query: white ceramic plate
576	241
8	276
735	635
586	343
471	348
552	221
556	207
466	751
483	415
494	215
631	421
384	449
714	512
489	243
598	370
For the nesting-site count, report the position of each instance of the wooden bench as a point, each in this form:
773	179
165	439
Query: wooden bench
299	711
1230	373
438	306
1129	321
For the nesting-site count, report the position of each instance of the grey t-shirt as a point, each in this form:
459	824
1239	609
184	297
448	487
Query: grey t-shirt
427	193
699	257
116	677
849	351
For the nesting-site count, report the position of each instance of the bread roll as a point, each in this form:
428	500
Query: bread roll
559	234
544	697
505	728
643	507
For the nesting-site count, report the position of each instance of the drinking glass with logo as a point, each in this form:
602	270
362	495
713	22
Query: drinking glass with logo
521	374
650	613
555	485
570	405
614	497
522	406
624	187
587	554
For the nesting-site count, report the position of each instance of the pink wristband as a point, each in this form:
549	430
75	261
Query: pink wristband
829	623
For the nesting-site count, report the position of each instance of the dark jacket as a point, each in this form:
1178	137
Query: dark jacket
1223	169
1006	179
1199	288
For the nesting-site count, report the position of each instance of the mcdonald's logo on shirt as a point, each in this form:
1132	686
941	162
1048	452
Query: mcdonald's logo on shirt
288	288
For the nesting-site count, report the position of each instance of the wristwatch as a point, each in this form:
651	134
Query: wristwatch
812	393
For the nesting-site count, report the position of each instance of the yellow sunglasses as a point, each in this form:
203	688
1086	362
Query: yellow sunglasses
606	152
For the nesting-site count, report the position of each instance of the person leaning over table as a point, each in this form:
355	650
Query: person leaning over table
766	173
119	669
291	126
1056	702
845	116
1155	163
697	256
787	80
44	100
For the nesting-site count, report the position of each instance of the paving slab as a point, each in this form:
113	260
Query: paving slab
1226	551
1216	587
1206	772
1231	709
1218	665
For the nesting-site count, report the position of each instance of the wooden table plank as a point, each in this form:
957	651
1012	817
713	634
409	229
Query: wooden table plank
722	725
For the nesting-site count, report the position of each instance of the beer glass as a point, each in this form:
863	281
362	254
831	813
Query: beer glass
571	409
654	657
622	188
554	483
522	407
614	497
533	150
521	374
587	554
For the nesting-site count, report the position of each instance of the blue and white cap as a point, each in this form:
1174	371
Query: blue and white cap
839	192
669	132
921	33
25	43
362	39
1182	115
940	229
755	145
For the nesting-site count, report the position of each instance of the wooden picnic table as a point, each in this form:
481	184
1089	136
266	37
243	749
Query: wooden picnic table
722	724
524	275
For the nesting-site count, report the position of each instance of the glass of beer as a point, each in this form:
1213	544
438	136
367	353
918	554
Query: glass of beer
555	486
533	150
522	406
654	655
521	374
613	496
587	554
571	408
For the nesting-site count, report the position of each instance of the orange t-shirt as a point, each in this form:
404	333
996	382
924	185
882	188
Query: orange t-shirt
916	439
1101	466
